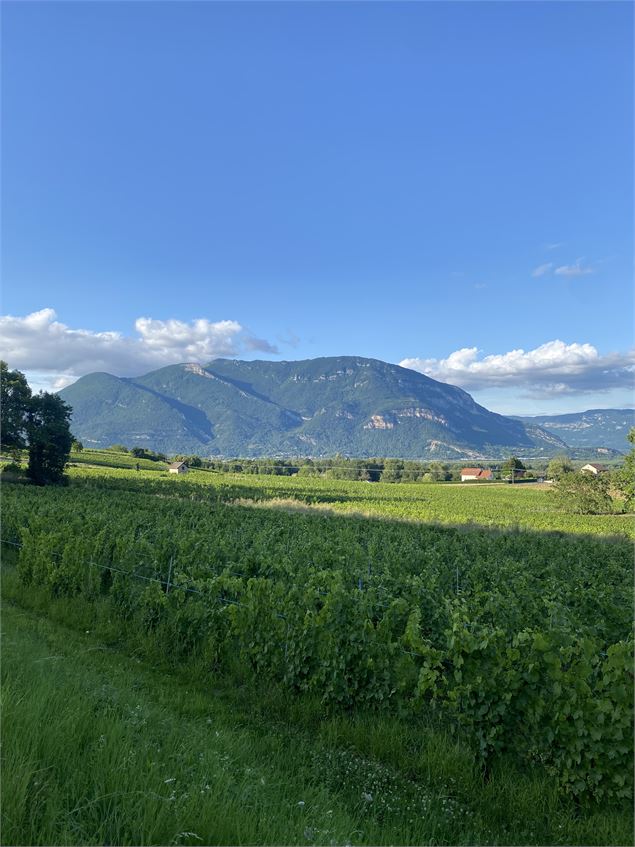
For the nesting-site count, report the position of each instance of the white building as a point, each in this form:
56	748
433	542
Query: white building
475	473
593	468
178	467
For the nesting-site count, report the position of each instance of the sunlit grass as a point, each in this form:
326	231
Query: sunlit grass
523	506
101	748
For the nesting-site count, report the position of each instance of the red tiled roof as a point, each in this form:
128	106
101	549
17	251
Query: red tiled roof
481	473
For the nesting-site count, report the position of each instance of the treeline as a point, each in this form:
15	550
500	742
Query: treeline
144	453
339	467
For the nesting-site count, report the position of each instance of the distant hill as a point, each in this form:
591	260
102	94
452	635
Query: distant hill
595	428
316	407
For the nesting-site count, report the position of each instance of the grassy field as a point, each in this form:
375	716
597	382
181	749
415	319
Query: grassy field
114	459
102	748
88	458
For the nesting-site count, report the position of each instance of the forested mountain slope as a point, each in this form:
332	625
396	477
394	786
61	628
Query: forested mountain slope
345	404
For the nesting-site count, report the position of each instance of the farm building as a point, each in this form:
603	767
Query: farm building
178	467
593	468
475	473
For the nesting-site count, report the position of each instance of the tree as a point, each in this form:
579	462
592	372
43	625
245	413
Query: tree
50	439
144	453
509	468
393	469
559	466
513	463
584	494
15	397
624	478
438	472
77	446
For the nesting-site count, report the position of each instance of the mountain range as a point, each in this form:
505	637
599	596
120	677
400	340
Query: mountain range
606	428
316	407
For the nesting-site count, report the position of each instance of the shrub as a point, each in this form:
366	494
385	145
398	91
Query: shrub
584	494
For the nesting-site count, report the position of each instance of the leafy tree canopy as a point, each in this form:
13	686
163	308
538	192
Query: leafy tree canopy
624	478
559	466
584	494
41	422
513	463
49	438
15	396
144	453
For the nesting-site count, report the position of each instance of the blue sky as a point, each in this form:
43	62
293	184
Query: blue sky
436	183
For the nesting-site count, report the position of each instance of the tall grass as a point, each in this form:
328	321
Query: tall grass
103	748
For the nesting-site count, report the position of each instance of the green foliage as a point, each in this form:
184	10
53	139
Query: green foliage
496	506
12	469
41	422
584	493
439	472
111	459
77	446
520	640
559	466
624	478
513	463
143	453
50	438
15	400
151	753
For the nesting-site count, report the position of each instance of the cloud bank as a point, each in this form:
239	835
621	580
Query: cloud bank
40	343
552	368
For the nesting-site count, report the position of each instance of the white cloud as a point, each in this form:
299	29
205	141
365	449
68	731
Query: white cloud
554	368
57	354
577	269
541	270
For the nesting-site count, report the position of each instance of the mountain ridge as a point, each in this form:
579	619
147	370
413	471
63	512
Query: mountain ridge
598	428
345	404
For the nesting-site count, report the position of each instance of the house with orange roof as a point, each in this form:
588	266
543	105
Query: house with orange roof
468	474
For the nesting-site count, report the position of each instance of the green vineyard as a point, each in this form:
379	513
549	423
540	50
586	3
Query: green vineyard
519	638
531	507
